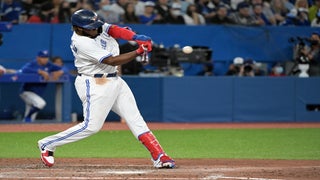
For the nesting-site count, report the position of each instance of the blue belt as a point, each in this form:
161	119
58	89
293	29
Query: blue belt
102	75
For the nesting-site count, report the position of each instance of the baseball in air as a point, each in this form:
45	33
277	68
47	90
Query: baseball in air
187	49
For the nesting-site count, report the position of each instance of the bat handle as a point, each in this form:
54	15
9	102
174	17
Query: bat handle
145	57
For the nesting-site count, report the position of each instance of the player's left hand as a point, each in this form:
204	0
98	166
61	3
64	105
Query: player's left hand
147	44
138	37
142	47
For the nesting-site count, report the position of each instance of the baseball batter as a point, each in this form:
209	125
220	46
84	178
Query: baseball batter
96	53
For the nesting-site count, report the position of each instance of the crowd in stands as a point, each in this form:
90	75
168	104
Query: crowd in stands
189	12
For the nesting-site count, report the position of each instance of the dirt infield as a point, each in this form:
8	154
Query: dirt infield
106	168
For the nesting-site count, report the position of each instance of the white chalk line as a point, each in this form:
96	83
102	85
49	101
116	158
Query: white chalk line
217	177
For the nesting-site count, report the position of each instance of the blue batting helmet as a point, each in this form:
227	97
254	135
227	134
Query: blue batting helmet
86	19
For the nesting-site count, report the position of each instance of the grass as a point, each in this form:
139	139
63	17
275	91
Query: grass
210	143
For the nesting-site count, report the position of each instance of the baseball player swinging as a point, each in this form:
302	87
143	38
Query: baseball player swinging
97	56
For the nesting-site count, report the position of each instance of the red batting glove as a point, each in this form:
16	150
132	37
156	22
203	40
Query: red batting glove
142	47
146	42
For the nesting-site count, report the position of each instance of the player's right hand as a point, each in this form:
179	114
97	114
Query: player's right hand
44	74
142	48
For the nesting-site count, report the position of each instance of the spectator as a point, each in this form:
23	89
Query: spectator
23	17
64	12
184	4
45	15
162	8
288	4
234	68
149	16
234	4
175	15
108	14
138	7
221	16
260	18
296	17
130	15
242	15
29	7
206	8
248	68
118	8
218	3
31	93
192	17
10	11
266	10
316	21
277	70
279	10
314	10
301	4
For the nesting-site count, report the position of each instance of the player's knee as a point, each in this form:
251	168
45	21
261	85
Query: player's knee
41	104
93	129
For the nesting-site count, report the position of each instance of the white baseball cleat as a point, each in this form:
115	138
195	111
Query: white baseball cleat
46	156
163	161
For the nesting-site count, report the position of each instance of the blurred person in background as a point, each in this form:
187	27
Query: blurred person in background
57	60
138	7
175	15
301	4
192	17
248	68
10	11
242	16
314	10
296	17
311	52
277	70
108	14
130	15
260	18
64	12
206	8
279	10
45	15
184	4
221	16
29	7
150	16
265	10
162	8
234	68
316	21
31	93
119	8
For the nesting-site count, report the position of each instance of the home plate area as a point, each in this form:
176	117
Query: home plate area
106	168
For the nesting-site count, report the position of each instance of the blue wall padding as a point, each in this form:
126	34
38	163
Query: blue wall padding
203	99
193	98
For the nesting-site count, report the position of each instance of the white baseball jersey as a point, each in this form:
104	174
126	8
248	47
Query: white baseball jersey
90	52
98	95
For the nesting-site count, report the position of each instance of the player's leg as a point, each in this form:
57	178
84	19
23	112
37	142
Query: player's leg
96	106
126	107
34	103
